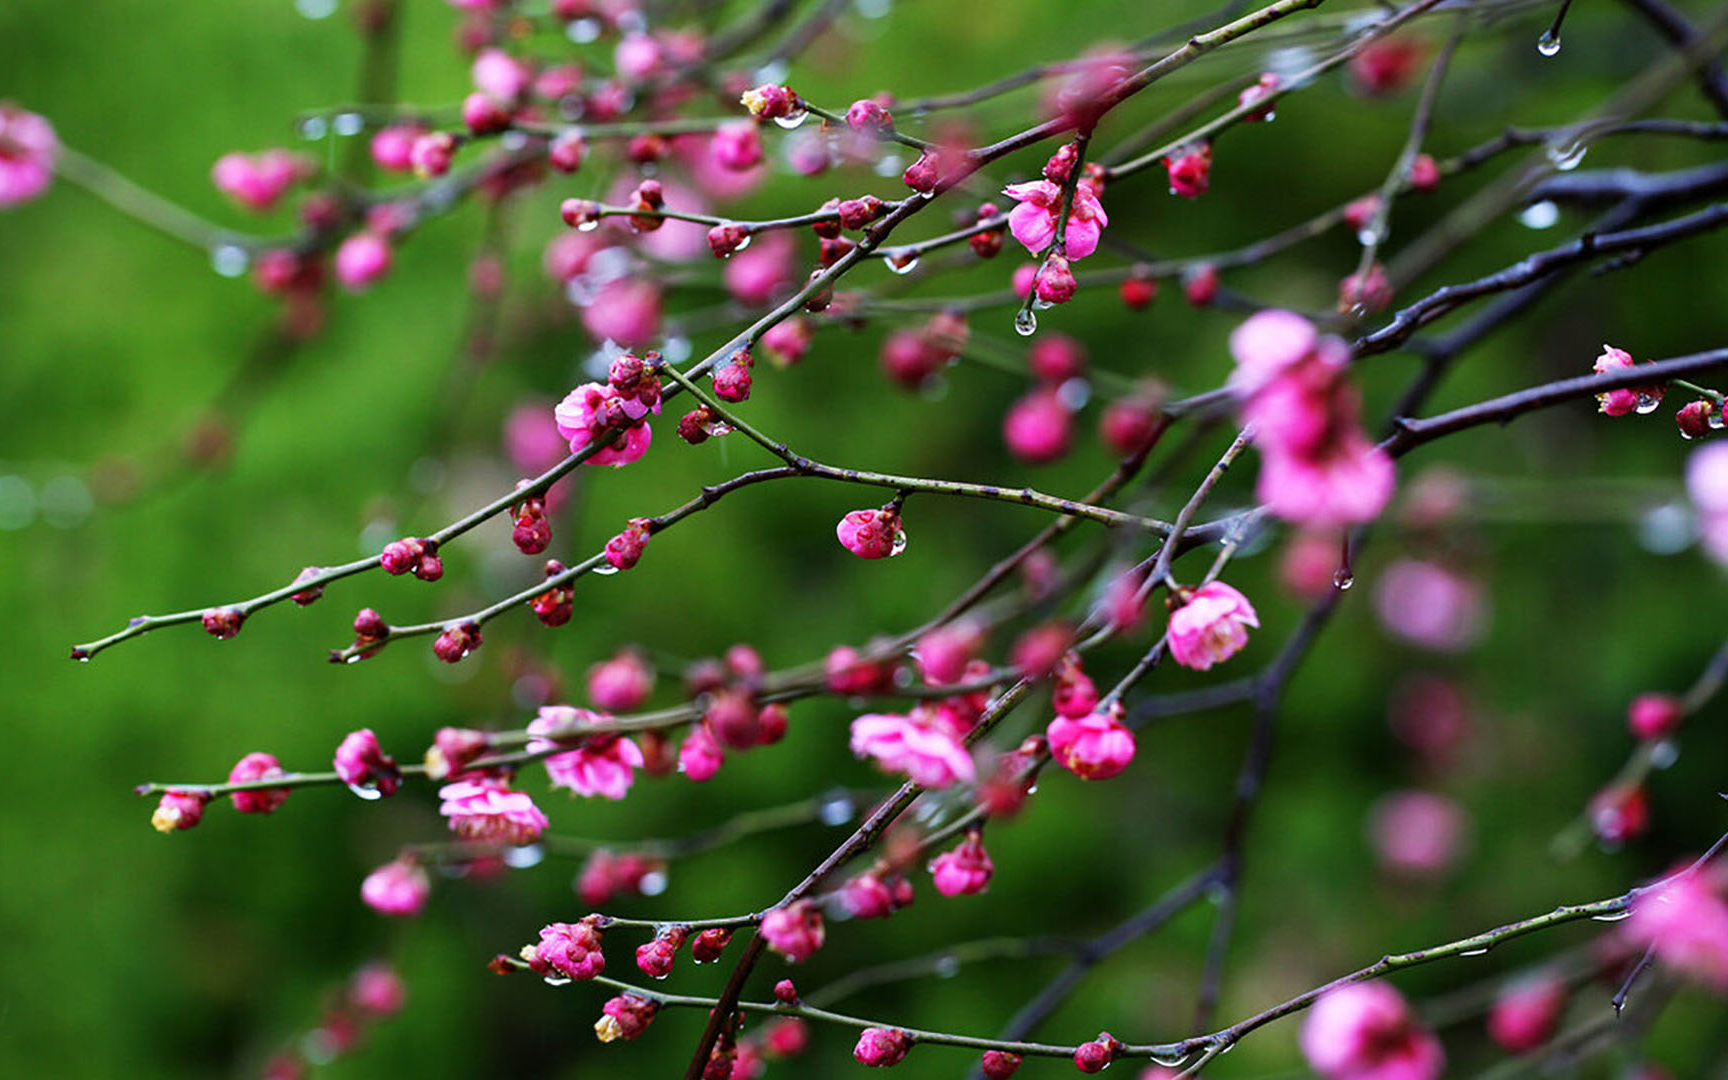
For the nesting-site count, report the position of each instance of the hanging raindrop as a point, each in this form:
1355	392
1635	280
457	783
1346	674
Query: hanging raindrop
1025	323
793	120
1549	43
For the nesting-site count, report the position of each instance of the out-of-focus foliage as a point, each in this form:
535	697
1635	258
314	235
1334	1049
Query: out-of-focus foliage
200	954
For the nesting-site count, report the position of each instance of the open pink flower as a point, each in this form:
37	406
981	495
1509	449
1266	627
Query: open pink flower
1364	1031
591	409
1687	922
571	949
1092	747
602	765
919	745
1212	626
399	887
28	148
488	811
1033	221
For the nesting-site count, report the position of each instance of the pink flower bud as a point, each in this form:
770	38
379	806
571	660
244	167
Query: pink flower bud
579	212
872	534
399	887
731	717
1200	285
1038	428
787	342
1190	170
1264	88
859	212
620	684
1526	1013
377	991
1127	426
771	102
249	769
1369	291
497	73
869	116
1619	812
1094	1056
401	556
432	152
999	1064
625	550
965	870
944	652
456	642
737	146
1138	292
700	756
771	724
1074	695
223	623
178	810
1694	419
787	1037
1055	283
1416	833
362	259
1360	214
785	992
571	949
922	175
1093	747
393	147
1424	173
1056	358
361	762
795	931
453	750
625	1017
1211	626
1385	66
483	116
881	1047
655	957
567	151
732	380
1037	651
27	163
709	944
723	240
1655	716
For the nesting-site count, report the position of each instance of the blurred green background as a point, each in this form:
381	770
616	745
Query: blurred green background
204	953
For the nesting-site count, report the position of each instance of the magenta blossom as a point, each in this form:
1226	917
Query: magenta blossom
1033	221
919	745
362	259
626	311
965	870
621	683
256	181
1351	484
399	887
1416	833
253	767
1526	1013
737	145
872	534
1364	1031
28	148
1212	626
1687	923
881	1047
603	765
571	949
700	756
594	408
361	762
488	811
1093	747
795	931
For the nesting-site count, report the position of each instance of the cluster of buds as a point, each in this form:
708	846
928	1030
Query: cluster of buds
223	623
554	606
412	554
727	239
732	378
648	198
606	875
1005	790
457	641
532	533
625	550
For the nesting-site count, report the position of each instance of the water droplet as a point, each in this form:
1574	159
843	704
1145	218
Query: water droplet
947	966
899	543
794	120
83	659
653	883
1549	43
1667	529
1648	403
588	226
557	980
1041	304
902	264
355	659
1612	916
1074	393
676	349
315	9
136	620
836	810
350	123
313	128
1474	952
1033	790
605	570
1664	754
521	858
1343	579
1539	215
1025	323
1369	236
583	31
873	9
1715	420
743	245
889	165
229	260
369	792
1567	156
513	140
1171	1061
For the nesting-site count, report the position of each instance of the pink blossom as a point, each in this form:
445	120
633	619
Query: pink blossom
944	652
377	990
253	767
603	765
700	755
1416	832
637	57
625	311
362	259
1364	1031
787	342
757	274
868	896
999	1064
1033	220
1526	1013
571	949
1093	747
625	1017
965	870
1627	399
399	887
256	181
881	1047
361	762
622	683
488	811
1351	483
500	76
1267	344
1211	627
28	148
795	931
593	408
178	810
872	534
737	145
918	745
1426	604
1687	922
1039	427
531	438
1655	716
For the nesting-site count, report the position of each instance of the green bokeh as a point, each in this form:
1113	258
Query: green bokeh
201	954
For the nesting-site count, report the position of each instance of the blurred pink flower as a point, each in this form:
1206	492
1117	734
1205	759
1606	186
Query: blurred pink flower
28	148
1364	1031
1687	922
1428	605
918	745
1416	832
